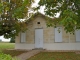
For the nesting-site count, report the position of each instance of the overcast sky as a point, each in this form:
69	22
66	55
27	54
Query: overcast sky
36	4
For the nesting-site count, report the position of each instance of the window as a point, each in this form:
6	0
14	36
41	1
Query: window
38	22
23	37
77	35
58	34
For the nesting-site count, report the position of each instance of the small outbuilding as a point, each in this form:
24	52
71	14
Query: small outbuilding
39	36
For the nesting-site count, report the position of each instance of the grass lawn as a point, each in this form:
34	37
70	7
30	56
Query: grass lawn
5	45
4	48
56	56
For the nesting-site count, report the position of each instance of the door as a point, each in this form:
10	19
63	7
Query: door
23	37
38	38
78	35
58	34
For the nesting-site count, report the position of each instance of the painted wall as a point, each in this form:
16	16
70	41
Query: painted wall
50	46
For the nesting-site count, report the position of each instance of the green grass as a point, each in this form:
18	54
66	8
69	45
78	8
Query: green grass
56	56
5	48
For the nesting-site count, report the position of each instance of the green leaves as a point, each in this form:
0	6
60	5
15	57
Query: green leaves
10	15
6	57
69	21
1	8
69	13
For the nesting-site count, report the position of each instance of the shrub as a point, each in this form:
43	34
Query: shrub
6	57
12	40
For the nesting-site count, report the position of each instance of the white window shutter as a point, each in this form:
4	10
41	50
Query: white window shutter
58	34
23	37
77	35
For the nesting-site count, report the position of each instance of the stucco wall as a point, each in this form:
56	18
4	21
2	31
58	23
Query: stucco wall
17	39
31	28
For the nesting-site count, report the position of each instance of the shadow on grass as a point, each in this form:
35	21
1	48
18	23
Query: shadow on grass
56	56
14	52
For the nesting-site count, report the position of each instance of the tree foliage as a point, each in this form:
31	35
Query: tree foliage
6	57
69	13
11	11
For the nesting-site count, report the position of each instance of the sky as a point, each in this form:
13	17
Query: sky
36	4
3	39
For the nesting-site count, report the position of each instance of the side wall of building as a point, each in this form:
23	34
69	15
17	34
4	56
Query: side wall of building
68	40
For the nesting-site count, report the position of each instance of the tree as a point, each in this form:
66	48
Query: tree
69	13
11	11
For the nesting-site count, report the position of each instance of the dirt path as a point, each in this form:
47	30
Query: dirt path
27	55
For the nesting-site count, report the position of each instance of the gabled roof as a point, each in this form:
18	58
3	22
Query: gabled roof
38	14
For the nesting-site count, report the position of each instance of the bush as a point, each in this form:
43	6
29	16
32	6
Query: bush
12	40
6	57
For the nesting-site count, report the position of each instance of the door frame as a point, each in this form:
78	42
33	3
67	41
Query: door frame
35	38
